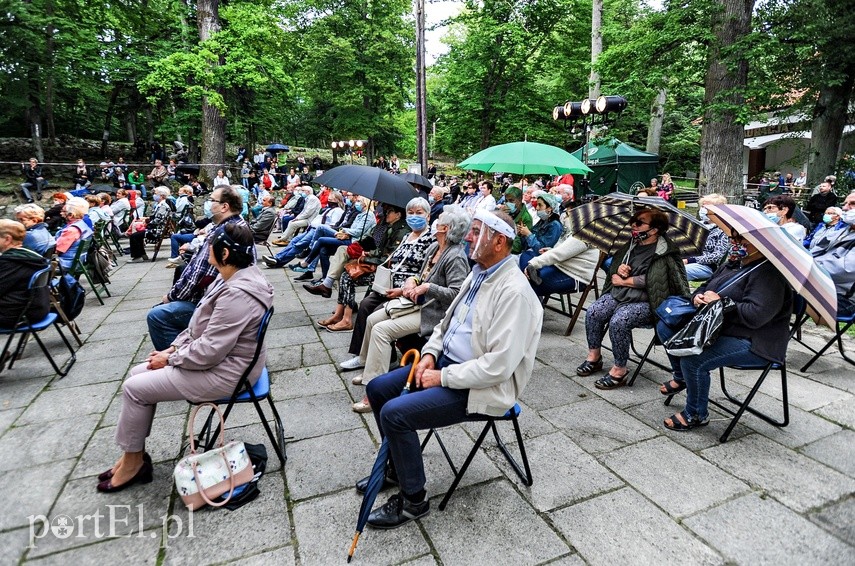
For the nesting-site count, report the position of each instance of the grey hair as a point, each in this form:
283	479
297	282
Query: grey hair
420	203
457	220
162	191
835	209
77	207
30	210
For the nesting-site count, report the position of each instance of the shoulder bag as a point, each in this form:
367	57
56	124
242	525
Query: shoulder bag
356	268
202	477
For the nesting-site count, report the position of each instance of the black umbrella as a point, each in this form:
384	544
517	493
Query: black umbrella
370	182
101	188
188	168
276	147
416	179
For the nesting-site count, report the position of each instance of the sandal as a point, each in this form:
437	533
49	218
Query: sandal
327	321
678	426
670	389
589	367
610	381
339	327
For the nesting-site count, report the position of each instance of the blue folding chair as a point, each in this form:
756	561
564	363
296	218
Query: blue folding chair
246	393
38	285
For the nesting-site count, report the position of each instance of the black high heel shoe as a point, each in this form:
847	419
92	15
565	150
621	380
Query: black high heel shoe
145	475
104	476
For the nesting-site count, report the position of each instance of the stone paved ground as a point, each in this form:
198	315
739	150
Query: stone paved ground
611	486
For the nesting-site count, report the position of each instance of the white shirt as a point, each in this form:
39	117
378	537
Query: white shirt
795	230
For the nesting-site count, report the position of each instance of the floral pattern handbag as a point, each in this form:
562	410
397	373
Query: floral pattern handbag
202	477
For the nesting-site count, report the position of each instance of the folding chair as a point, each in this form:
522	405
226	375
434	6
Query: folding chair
576	309
101	237
25	328
168	229
78	268
847	322
56	306
799	307
523	472
246	393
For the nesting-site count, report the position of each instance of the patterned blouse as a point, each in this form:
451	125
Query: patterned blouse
407	260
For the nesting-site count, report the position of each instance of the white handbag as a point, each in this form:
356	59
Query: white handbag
202	477
382	280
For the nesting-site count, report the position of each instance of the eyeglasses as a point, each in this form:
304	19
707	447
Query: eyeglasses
215	200
638	222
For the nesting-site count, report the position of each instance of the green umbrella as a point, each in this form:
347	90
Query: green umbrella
525	158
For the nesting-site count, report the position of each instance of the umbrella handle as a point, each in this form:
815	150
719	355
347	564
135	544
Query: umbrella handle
353	547
416	356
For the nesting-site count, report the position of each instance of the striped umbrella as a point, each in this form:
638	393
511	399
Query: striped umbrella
604	223
789	256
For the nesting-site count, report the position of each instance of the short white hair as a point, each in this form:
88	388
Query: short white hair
77	207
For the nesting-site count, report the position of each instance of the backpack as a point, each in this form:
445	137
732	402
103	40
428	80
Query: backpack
99	264
71	294
186	224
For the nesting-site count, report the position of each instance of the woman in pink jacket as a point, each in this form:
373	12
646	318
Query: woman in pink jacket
204	362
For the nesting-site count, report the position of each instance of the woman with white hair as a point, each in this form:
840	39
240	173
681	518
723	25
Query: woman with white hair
76	230
38	238
701	267
826	231
435	285
154	223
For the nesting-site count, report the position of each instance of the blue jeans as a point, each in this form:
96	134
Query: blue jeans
400	416
322	249
698	271
176	240
166	321
298	244
726	351
553	279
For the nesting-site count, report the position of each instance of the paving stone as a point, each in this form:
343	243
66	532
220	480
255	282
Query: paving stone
655	412
311	380
315	353
325	527
656	468
563	473
328	463
517	535
548	389
291	336
437	471
842	412
839	519
220	535
837	451
66	402
597	426
643	533
302	415
284	556
20	393
287	358
123	328
14	545
623	397
130	550
25	446
43	483
126	347
795	480
7	417
129	315
94	371
753	530
139	508
332	340
803	393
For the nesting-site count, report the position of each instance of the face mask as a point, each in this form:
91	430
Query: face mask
416	223
773	217
207	209
702	214
737	251
433	227
431	199
640	236
827	218
543	214
156	198
512	207
849	217
358	206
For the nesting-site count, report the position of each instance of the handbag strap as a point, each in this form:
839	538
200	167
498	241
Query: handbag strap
739	276
190	427
194	464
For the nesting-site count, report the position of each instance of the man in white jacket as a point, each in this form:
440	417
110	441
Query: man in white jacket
477	361
310	210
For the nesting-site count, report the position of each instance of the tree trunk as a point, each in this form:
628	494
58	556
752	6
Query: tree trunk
49	80
149	126
108	118
34	117
657	114
829	119
727	76
421	90
596	47
213	122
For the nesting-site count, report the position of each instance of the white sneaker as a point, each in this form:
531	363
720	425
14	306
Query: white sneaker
175	261
352	363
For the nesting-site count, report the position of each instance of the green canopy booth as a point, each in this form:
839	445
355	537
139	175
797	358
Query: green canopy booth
617	166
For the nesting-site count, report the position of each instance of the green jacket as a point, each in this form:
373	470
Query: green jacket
523	217
665	277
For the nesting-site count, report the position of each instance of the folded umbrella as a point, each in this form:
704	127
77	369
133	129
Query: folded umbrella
604	223
525	158
370	182
378	472
789	256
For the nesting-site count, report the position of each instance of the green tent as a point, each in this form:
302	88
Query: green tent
618	166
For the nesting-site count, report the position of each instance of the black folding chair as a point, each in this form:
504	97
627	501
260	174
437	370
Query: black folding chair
523	472
847	322
799	307
24	327
574	310
246	393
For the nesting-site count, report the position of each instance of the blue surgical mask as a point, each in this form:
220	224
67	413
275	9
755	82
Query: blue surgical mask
773	217
431	199
827	218
512	207
156	198
207	209
416	223
358	206
543	214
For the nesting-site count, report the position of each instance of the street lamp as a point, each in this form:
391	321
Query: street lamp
348	147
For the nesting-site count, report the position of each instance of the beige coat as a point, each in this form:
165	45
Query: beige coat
505	333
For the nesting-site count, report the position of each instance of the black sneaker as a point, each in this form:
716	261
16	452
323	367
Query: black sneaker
396	512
